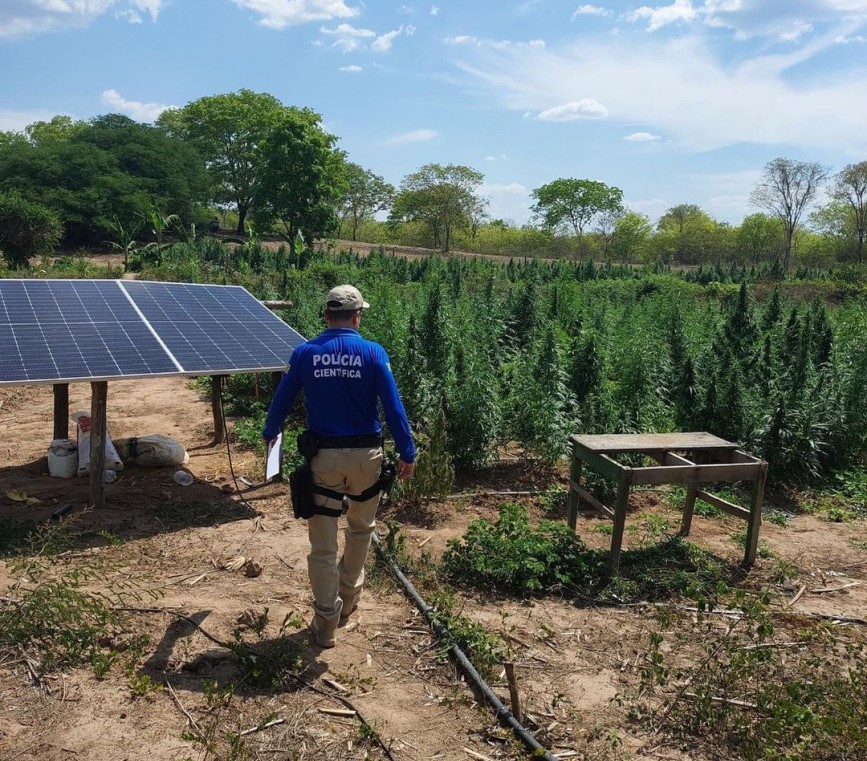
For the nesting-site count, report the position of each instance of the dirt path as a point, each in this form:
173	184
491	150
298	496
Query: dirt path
170	545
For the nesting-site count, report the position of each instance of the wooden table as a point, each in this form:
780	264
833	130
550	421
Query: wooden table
683	458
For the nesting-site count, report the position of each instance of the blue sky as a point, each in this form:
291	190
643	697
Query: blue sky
677	102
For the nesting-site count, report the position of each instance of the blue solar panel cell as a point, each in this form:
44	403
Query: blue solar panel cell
70	330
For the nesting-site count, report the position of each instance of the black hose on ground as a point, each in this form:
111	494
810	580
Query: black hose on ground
503	713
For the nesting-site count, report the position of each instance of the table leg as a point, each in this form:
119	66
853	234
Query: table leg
688	508
755	521
577	467
623	486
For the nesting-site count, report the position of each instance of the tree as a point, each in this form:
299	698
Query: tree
574	203
60	127
786	190
760	238
850	187
228	131
109	168
26	229
442	197
631	232
364	194
688	235
295	191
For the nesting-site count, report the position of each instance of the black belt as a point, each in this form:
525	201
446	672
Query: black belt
349	442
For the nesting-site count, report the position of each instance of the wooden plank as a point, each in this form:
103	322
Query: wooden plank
98	401
217	408
685	474
623	486
741	456
61	410
588	497
723	504
599	462
755	520
638	442
276	304
671	458
688	507
575	484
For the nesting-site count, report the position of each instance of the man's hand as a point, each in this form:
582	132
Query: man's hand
404	469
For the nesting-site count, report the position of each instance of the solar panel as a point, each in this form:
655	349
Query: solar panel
214	328
55	331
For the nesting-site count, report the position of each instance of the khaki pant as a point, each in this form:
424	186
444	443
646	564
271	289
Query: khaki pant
349	471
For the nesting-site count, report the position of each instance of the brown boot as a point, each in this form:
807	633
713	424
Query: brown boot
323	631
350	605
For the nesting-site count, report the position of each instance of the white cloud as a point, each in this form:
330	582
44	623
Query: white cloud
352	68
585	108
796	32
468	39
142	112
434	11
510	200
384	42
347	37
590	10
16	121
641	137
278	14
414	136
679	10
680	88
32	17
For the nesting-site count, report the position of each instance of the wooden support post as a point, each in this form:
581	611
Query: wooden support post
98	414
755	520
217	408
623	487
514	699
276	377
61	410
577	467
688	508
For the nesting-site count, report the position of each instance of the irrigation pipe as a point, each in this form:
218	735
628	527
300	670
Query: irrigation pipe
503	713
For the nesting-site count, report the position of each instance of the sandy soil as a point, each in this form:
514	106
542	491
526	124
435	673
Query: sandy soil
171	544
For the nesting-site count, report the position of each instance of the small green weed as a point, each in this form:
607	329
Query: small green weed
762	549
141	685
778	517
483	648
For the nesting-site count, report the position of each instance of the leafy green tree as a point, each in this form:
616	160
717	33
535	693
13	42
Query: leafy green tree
363	194
228	131
444	198
296	187
686	235
109	167
850	188
760	238
787	189
58	128
26	229
571	203
631	233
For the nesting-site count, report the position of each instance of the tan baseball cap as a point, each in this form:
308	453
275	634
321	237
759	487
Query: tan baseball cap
345	298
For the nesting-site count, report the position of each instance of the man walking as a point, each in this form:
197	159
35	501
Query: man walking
342	375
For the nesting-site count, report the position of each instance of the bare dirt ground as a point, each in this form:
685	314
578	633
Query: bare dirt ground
171	545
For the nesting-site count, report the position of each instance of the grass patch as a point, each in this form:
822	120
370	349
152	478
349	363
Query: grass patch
749	698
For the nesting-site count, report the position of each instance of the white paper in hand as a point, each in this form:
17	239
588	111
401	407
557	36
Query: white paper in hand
272	465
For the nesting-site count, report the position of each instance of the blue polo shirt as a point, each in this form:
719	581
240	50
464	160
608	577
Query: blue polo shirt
343	375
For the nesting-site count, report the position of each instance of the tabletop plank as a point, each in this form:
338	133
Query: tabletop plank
640	442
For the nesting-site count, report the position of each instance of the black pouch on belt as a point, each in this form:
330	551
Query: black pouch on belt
301	491
308	445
